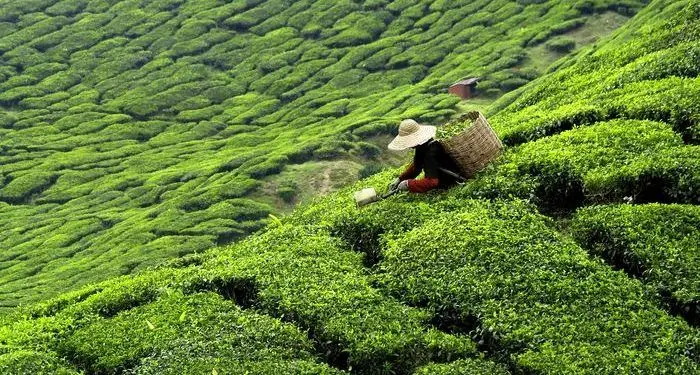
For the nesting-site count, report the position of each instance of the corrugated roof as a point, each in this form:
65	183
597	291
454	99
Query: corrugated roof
468	81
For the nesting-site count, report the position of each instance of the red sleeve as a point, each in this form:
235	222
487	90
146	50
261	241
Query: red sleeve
409	173
422	185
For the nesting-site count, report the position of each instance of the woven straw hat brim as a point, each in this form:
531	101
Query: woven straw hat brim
418	138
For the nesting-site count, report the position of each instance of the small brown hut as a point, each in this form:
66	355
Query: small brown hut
465	89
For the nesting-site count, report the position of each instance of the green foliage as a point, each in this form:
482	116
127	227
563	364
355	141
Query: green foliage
463	367
512	83
7	119
135	110
561	44
369	170
147	325
669	176
639	161
656	242
287	191
534	293
652	76
31	362
301	273
20	188
185	334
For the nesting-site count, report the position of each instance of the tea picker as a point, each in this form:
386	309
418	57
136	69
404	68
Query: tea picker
444	163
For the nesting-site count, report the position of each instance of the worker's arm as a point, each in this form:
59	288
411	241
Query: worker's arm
423	185
410	172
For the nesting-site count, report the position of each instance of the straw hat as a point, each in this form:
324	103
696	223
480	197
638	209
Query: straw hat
411	134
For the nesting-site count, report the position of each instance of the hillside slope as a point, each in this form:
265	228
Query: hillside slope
476	280
135	131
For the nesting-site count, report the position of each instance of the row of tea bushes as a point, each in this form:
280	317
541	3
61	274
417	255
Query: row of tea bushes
32	362
174	334
362	229
301	274
261	272
271	269
670	175
651	74
30	337
538	297
658	243
463	367
197	333
89	248
636	161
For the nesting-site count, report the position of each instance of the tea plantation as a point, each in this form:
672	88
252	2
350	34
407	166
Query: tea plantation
576	252
136	131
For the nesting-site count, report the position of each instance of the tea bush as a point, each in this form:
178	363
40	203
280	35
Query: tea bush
534	294
184	334
31	362
351	323
613	81
303	275
463	367
669	176
641	161
19	189
561	44
658	243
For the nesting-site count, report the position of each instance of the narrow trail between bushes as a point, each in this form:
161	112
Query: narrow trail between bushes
326	183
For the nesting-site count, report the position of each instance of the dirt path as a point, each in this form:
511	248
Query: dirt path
325	187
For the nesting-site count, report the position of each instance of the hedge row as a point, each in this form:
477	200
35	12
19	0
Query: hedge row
539	298
658	243
301	274
614	161
31	336
298	274
651	75
198	333
21	188
32	362
671	175
361	229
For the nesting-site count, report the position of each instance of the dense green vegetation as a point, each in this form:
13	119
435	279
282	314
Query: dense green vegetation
612	161
547	303
183	334
655	77
574	253
659	243
136	131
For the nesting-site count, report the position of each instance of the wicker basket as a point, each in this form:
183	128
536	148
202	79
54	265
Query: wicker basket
475	147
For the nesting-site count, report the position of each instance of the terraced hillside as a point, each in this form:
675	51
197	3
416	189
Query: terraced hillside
136	131
575	253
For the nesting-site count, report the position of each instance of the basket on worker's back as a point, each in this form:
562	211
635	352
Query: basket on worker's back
474	147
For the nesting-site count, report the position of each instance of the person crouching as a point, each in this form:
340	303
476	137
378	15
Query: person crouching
430	158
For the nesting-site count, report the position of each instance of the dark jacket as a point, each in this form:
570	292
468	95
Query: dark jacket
430	158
